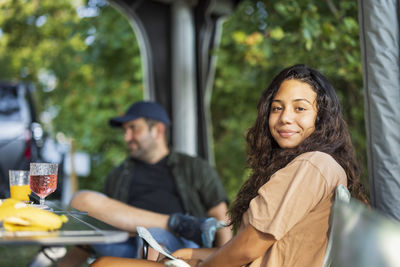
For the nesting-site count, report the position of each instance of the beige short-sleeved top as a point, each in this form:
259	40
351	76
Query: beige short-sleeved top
294	207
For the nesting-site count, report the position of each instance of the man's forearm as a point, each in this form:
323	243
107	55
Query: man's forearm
116	213
220	213
223	236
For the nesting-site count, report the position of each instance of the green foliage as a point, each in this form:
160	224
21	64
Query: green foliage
260	39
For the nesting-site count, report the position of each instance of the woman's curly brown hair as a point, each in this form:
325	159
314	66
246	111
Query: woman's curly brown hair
331	136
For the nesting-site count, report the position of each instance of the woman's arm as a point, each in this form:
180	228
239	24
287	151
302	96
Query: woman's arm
194	253
245	247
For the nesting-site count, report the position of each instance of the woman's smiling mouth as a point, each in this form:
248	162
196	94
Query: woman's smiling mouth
286	133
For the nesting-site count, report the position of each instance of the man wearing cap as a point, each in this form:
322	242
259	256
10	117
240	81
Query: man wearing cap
154	187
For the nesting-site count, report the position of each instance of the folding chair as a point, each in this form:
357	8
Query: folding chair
361	237
342	197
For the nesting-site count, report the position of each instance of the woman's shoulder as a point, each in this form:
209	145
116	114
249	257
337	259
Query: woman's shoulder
317	157
322	162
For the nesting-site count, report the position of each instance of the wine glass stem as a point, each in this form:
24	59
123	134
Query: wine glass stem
41	201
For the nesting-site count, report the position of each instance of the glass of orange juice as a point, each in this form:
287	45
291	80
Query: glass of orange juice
19	185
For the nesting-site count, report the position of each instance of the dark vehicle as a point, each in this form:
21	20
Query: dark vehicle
21	136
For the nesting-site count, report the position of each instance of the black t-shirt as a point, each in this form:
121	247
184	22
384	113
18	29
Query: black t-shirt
153	188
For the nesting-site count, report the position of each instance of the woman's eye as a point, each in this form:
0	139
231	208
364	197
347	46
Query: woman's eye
300	109
274	109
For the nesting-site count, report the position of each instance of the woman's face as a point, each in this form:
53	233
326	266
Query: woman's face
293	113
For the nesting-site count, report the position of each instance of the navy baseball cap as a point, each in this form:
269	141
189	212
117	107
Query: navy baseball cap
142	109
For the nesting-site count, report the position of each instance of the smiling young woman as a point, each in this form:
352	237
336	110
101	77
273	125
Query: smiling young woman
299	150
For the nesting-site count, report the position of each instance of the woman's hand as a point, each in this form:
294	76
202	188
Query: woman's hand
194	262
182	263
194	253
184	253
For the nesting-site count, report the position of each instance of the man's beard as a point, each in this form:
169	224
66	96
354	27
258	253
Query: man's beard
141	152
137	152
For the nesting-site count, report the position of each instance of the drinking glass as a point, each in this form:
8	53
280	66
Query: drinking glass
43	179
19	185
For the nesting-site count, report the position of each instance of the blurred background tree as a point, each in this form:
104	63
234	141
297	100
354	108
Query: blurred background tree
84	61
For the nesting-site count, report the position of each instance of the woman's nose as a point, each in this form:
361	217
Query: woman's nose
287	116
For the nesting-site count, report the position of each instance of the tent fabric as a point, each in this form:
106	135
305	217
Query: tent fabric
379	29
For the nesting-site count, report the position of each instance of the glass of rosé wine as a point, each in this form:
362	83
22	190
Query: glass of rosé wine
43	179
